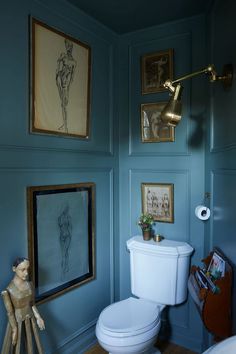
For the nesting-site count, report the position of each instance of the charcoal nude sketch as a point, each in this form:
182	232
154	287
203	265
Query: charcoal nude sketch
65	228
65	72
159	72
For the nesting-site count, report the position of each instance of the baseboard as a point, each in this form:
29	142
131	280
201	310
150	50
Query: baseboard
194	344
79	342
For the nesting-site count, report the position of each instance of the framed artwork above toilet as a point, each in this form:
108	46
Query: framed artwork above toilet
158	200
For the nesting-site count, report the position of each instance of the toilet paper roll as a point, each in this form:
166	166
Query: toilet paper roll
202	212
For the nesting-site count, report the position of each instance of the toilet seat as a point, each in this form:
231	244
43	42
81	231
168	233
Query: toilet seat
129	317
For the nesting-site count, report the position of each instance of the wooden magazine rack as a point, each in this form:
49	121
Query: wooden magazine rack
213	297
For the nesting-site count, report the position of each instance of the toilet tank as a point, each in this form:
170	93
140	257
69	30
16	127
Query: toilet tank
159	270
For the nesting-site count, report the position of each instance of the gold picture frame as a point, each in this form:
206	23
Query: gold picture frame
152	128
156	68
158	200
61	237
60	83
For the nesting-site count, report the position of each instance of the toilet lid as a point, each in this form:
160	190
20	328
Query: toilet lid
129	316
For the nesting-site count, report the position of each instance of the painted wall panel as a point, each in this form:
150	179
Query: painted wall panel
179	230
222	52
27	159
181	162
30	159
17	115
222	232
224	195
75	309
181	64
220	157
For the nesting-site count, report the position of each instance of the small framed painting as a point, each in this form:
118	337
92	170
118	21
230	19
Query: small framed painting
156	69
152	128
61	235
158	200
60	87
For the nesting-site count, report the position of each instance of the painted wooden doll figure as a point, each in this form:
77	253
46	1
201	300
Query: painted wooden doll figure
22	313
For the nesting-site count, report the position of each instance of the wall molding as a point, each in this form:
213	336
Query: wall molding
133	57
56	169
30	148
74	340
213	174
146	171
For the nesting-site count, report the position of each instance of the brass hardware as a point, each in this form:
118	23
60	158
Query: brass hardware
158	238
207	195
227	78
171	114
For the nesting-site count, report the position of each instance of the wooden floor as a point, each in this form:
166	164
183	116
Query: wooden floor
165	348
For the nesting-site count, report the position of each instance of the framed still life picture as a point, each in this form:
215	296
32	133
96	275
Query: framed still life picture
60	87
158	200
61	236
152	128
156	69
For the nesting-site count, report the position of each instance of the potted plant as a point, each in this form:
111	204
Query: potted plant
145	222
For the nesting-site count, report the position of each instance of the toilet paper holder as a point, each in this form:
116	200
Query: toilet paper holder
202	212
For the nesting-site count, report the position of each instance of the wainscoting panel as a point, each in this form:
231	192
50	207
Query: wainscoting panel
70	312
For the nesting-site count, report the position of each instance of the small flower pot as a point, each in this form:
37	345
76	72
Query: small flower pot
147	235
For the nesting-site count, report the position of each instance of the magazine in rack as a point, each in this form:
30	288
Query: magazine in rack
211	290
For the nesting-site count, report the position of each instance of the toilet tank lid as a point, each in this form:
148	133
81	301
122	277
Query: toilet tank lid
164	247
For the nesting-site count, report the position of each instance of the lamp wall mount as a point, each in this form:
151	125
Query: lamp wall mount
226	78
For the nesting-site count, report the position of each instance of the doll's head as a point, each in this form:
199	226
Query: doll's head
20	267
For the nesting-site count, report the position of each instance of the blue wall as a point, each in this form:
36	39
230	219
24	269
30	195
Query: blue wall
180	162
221	147
29	159
115	159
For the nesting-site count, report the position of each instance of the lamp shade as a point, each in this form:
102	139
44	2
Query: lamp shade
171	114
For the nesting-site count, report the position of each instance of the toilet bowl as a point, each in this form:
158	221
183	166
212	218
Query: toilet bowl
129	326
227	346
159	273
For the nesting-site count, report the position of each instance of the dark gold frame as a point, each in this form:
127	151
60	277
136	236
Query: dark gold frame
54	109
156	68
61	235
152	129
158	200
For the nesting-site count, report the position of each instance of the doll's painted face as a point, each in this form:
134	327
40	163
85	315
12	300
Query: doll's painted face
22	270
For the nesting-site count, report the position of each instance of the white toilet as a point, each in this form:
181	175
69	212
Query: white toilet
159	274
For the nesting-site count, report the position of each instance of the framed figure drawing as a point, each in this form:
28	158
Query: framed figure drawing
158	200
61	236
156	69
60	87
152	128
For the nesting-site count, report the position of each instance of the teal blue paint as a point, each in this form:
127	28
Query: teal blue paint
180	162
30	159
116	167
220	154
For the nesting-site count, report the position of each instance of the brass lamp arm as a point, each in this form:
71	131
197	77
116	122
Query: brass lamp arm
209	70
171	113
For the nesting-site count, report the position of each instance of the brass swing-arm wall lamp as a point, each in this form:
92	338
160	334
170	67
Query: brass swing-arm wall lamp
171	114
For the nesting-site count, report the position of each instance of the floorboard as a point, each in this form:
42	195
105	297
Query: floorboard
165	348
